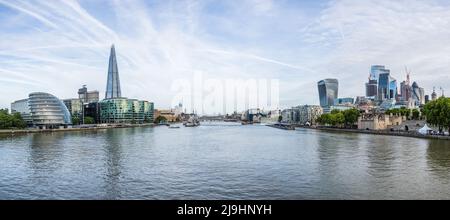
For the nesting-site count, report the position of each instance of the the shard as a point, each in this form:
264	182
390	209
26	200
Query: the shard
113	84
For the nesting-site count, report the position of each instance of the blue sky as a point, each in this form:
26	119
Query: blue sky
57	46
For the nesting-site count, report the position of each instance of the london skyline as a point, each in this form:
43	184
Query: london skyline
299	43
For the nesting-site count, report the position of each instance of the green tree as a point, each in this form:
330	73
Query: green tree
18	121
75	120
351	116
415	114
324	119
335	111
8	121
437	113
338	119
280	119
89	120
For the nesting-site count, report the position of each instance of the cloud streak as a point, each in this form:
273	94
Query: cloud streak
58	46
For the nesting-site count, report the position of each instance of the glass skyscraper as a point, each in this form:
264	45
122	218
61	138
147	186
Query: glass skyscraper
376	70
113	84
387	86
328	92
418	94
115	109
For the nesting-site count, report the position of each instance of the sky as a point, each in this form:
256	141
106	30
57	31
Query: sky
57	46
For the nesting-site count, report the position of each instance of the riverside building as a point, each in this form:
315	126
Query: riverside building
21	107
115	109
43	111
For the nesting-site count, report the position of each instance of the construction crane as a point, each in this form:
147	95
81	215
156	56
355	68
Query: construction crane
408	73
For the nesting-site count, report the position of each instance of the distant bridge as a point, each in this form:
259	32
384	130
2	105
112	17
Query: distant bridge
211	118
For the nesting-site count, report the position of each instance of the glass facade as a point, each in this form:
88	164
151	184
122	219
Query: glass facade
122	110
383	86
113	83
372	88
340	101
48	111
75	106
393	91
328	92
22	107
418	94
376	70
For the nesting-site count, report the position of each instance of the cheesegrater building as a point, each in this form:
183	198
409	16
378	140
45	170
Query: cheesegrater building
115	109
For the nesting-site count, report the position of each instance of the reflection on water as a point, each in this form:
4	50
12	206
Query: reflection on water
438	158
221	162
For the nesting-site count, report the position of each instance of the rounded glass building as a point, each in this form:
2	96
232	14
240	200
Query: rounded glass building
47	111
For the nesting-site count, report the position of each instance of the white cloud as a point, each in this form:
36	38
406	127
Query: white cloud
64	44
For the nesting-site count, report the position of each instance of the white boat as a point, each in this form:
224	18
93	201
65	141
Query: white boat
192	122
174	126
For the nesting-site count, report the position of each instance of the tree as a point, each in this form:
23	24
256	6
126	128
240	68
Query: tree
437	113
89	120
280	119
415	114
324	119
75	120
335	111
338	119
18	121
8	121
351	116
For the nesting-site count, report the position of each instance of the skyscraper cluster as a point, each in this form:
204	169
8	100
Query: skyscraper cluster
383	89
382	92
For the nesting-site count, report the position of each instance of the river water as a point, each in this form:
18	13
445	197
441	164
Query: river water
222	161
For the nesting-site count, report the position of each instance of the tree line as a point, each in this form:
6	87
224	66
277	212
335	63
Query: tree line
10	121
413	114
337	118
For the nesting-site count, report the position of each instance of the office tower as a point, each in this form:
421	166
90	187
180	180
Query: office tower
22	107
88	96
75	106
123	110
405	91
393	91
113	84
376	70
383	86
328	92
427	99
387	86
418	94
371	88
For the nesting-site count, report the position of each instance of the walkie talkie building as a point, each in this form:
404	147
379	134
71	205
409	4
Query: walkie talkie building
328	92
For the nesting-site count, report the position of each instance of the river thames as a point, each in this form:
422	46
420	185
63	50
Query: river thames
222	161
